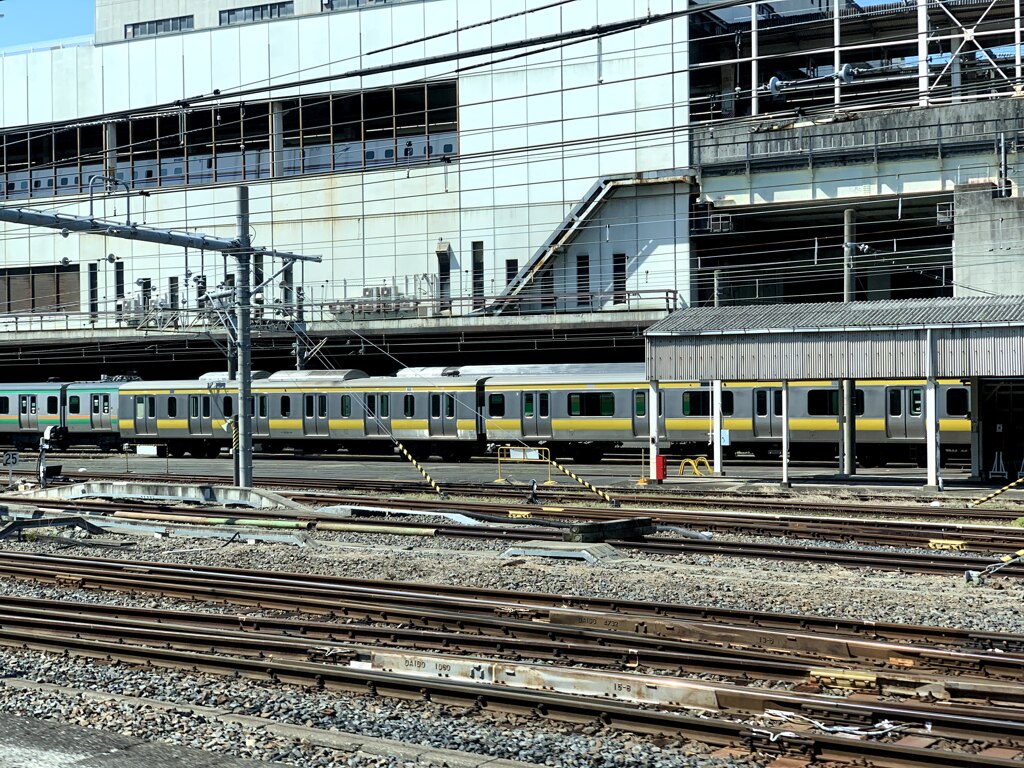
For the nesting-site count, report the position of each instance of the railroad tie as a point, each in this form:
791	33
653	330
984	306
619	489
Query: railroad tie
422	471
992	495
584	483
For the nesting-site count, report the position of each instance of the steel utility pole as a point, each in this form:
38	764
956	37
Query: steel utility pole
240	247
847	406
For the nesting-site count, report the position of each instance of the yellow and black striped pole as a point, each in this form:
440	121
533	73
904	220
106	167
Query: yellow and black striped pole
422	471
992	495
977	577
584	483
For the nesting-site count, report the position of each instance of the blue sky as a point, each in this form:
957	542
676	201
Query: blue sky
32	21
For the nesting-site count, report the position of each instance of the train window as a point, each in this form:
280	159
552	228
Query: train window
346	405
761	403
140	407
958	402
106	403
592	404
409	406
172	407
697	403
915	400
728	403
95	403
262	405
51	404
309	406
777	401
385	406
449	406
823	402
193	406
74	404
528	406
640	403
858	402
5	405
543	406
151	407
32	405
895	403
206	406
229	407
371	405
321	406
286	406
496	406
435	406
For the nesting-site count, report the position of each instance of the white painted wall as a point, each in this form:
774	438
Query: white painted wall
535	134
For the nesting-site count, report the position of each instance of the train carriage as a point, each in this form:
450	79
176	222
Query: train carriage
91	414
26	410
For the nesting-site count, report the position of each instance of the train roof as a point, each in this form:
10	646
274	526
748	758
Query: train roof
582	381
371	383
540	369
343	374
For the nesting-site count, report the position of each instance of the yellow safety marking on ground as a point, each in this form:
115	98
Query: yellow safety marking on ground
844	678
519	513
553	509
947	544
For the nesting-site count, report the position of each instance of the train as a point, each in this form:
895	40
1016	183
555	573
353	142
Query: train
576	411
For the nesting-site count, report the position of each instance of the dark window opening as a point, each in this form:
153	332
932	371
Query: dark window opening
592	404
496	406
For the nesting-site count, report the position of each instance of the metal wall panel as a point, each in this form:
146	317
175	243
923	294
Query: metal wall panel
960	352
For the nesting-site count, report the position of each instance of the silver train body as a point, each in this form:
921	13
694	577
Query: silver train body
579	412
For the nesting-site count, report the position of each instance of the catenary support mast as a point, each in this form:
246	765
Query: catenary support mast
240	248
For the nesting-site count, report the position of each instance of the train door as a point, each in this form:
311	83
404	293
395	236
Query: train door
536	414
261	421
145	415
450	420
904	412
377	410
314	415
641	419
199	415
28	412
768	412
99	410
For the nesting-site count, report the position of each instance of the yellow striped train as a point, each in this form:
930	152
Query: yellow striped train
578	411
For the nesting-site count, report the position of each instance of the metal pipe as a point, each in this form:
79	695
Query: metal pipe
356	528
848	419
243	343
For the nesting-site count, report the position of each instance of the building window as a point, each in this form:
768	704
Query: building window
618	278
321	133
161	27
478	274
262	12
511	270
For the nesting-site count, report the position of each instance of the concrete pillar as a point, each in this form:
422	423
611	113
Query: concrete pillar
716	426
976	447
653	420
931	413
785	434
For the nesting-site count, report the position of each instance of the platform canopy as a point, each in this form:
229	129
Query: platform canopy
973	336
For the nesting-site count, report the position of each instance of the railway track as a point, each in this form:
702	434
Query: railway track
936	563
705	499
274	648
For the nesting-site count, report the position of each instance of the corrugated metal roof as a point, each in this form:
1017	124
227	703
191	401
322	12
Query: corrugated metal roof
837	316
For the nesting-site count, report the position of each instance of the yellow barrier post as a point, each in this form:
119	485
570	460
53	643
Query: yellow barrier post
695	465
992	495
524	455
